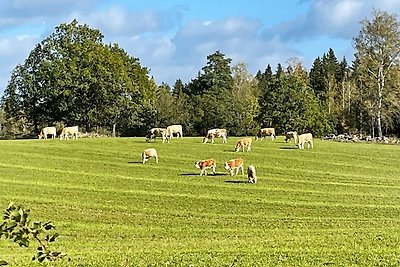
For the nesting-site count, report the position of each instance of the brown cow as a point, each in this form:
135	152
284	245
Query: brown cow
234	164
203	165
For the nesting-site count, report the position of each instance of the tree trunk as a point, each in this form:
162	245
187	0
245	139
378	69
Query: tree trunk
113	131
381	84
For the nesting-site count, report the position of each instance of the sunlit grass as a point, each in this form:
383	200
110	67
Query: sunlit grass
337	204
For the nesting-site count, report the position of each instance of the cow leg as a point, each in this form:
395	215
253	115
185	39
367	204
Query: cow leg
242	170
156	157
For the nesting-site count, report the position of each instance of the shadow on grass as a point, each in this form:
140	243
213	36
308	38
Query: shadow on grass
236	182
198	174
288	148
135	162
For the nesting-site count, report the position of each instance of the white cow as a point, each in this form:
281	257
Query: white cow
48	130
305	138
215	133
67	131
171	130
149	153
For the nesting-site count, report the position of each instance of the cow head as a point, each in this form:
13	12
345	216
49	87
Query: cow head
197	164
226	166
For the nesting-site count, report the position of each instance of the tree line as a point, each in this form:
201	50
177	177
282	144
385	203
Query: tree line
73	78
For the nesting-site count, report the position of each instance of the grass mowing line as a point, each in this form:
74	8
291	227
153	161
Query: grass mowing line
195	214
229	198
95	189
207	185
295	170
335	175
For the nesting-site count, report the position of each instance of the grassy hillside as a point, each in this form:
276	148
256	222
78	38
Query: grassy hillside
337	204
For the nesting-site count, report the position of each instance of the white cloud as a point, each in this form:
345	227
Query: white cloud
122	21
334	18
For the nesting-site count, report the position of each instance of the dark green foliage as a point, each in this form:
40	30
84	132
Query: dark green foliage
211	95
71	76
287	103
18	227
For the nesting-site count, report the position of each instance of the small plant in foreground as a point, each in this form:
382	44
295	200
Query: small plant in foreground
18	227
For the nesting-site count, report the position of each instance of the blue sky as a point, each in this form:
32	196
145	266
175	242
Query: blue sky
173	38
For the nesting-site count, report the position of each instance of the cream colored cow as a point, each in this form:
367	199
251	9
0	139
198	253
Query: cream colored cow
305	138
67	131
149	153
46	131
242	143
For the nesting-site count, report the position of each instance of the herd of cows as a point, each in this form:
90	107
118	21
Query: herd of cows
233	166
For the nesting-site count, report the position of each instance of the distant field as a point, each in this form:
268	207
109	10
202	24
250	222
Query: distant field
336	205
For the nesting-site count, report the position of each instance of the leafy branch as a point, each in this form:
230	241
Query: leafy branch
18	227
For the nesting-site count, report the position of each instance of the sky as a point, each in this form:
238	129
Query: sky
172	38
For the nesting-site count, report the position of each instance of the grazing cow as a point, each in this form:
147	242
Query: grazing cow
243	143
215	133
173	129
264	132
154	132
149	153
48	130
203	165
67	131
251	174
234	164
291	135
305	138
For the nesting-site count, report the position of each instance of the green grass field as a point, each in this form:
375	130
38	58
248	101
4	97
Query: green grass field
337	204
